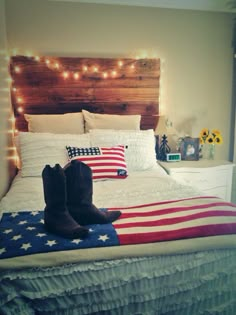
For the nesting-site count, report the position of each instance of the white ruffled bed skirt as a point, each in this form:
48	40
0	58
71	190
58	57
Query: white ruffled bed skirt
186	284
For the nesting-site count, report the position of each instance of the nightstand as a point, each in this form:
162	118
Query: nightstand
211	176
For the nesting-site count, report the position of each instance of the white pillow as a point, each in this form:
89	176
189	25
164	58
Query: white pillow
140	154
72	123
107	121
39	149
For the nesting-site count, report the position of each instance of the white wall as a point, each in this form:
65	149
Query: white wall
195	48
4	104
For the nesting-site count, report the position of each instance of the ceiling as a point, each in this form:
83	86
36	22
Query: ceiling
203	5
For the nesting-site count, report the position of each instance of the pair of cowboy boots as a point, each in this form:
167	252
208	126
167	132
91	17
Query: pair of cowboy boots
68	195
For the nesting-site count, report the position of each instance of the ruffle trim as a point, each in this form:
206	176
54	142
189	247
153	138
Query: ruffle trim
163	283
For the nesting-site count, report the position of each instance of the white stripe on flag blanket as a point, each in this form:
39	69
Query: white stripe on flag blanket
186	218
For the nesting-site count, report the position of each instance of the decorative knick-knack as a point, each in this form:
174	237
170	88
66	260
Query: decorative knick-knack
163	149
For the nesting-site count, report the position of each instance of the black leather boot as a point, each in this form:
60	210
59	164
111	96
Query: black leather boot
57	219
80	194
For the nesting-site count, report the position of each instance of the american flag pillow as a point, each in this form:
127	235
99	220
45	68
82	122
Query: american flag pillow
105	162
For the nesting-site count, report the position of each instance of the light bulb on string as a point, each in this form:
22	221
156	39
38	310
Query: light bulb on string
65	74
20	109
29	54
76	75
19	100
95	69
9	80
56	65
17	69
85	68
14	51
12	119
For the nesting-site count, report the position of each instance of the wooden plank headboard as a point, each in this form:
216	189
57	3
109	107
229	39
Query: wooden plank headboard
54	85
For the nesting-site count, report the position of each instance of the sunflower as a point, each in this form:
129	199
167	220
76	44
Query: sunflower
210	139
218	139
215	132
204	133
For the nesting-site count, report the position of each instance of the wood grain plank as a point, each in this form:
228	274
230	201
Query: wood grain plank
42	89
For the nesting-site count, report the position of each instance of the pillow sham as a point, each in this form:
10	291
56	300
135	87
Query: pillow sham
107	121
140	153
39	149
105	162
71	123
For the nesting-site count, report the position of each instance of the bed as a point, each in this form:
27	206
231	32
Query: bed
172	251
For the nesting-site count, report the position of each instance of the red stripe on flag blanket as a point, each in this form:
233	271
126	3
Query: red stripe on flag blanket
192	232
175	220
170	210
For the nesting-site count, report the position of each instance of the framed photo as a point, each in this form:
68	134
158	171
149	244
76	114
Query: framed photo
189	149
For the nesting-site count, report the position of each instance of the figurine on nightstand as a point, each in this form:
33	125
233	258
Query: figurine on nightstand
163	149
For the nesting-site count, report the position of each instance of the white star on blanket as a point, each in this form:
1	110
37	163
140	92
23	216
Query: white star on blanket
77	241
26	246
7	231
16	237
103	238
2	250
51	243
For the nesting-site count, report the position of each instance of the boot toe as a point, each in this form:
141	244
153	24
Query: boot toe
112	215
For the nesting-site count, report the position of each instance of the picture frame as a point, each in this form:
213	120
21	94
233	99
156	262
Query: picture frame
189	149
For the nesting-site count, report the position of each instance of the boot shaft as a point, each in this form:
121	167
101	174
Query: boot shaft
79	183
54	186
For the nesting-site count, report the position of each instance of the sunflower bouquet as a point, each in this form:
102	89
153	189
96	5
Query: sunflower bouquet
210	137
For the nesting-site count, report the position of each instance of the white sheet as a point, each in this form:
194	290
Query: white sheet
26	193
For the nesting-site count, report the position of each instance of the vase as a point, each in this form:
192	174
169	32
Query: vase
211	154
208	151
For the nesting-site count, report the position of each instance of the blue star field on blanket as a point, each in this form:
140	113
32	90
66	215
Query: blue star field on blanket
23	233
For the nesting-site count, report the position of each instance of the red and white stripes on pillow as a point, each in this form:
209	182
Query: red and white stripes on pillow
105	162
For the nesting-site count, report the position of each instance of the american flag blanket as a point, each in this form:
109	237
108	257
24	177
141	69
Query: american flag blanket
23	233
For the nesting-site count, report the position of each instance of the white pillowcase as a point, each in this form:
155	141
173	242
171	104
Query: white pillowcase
140	154
71	123
107	121
39	149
